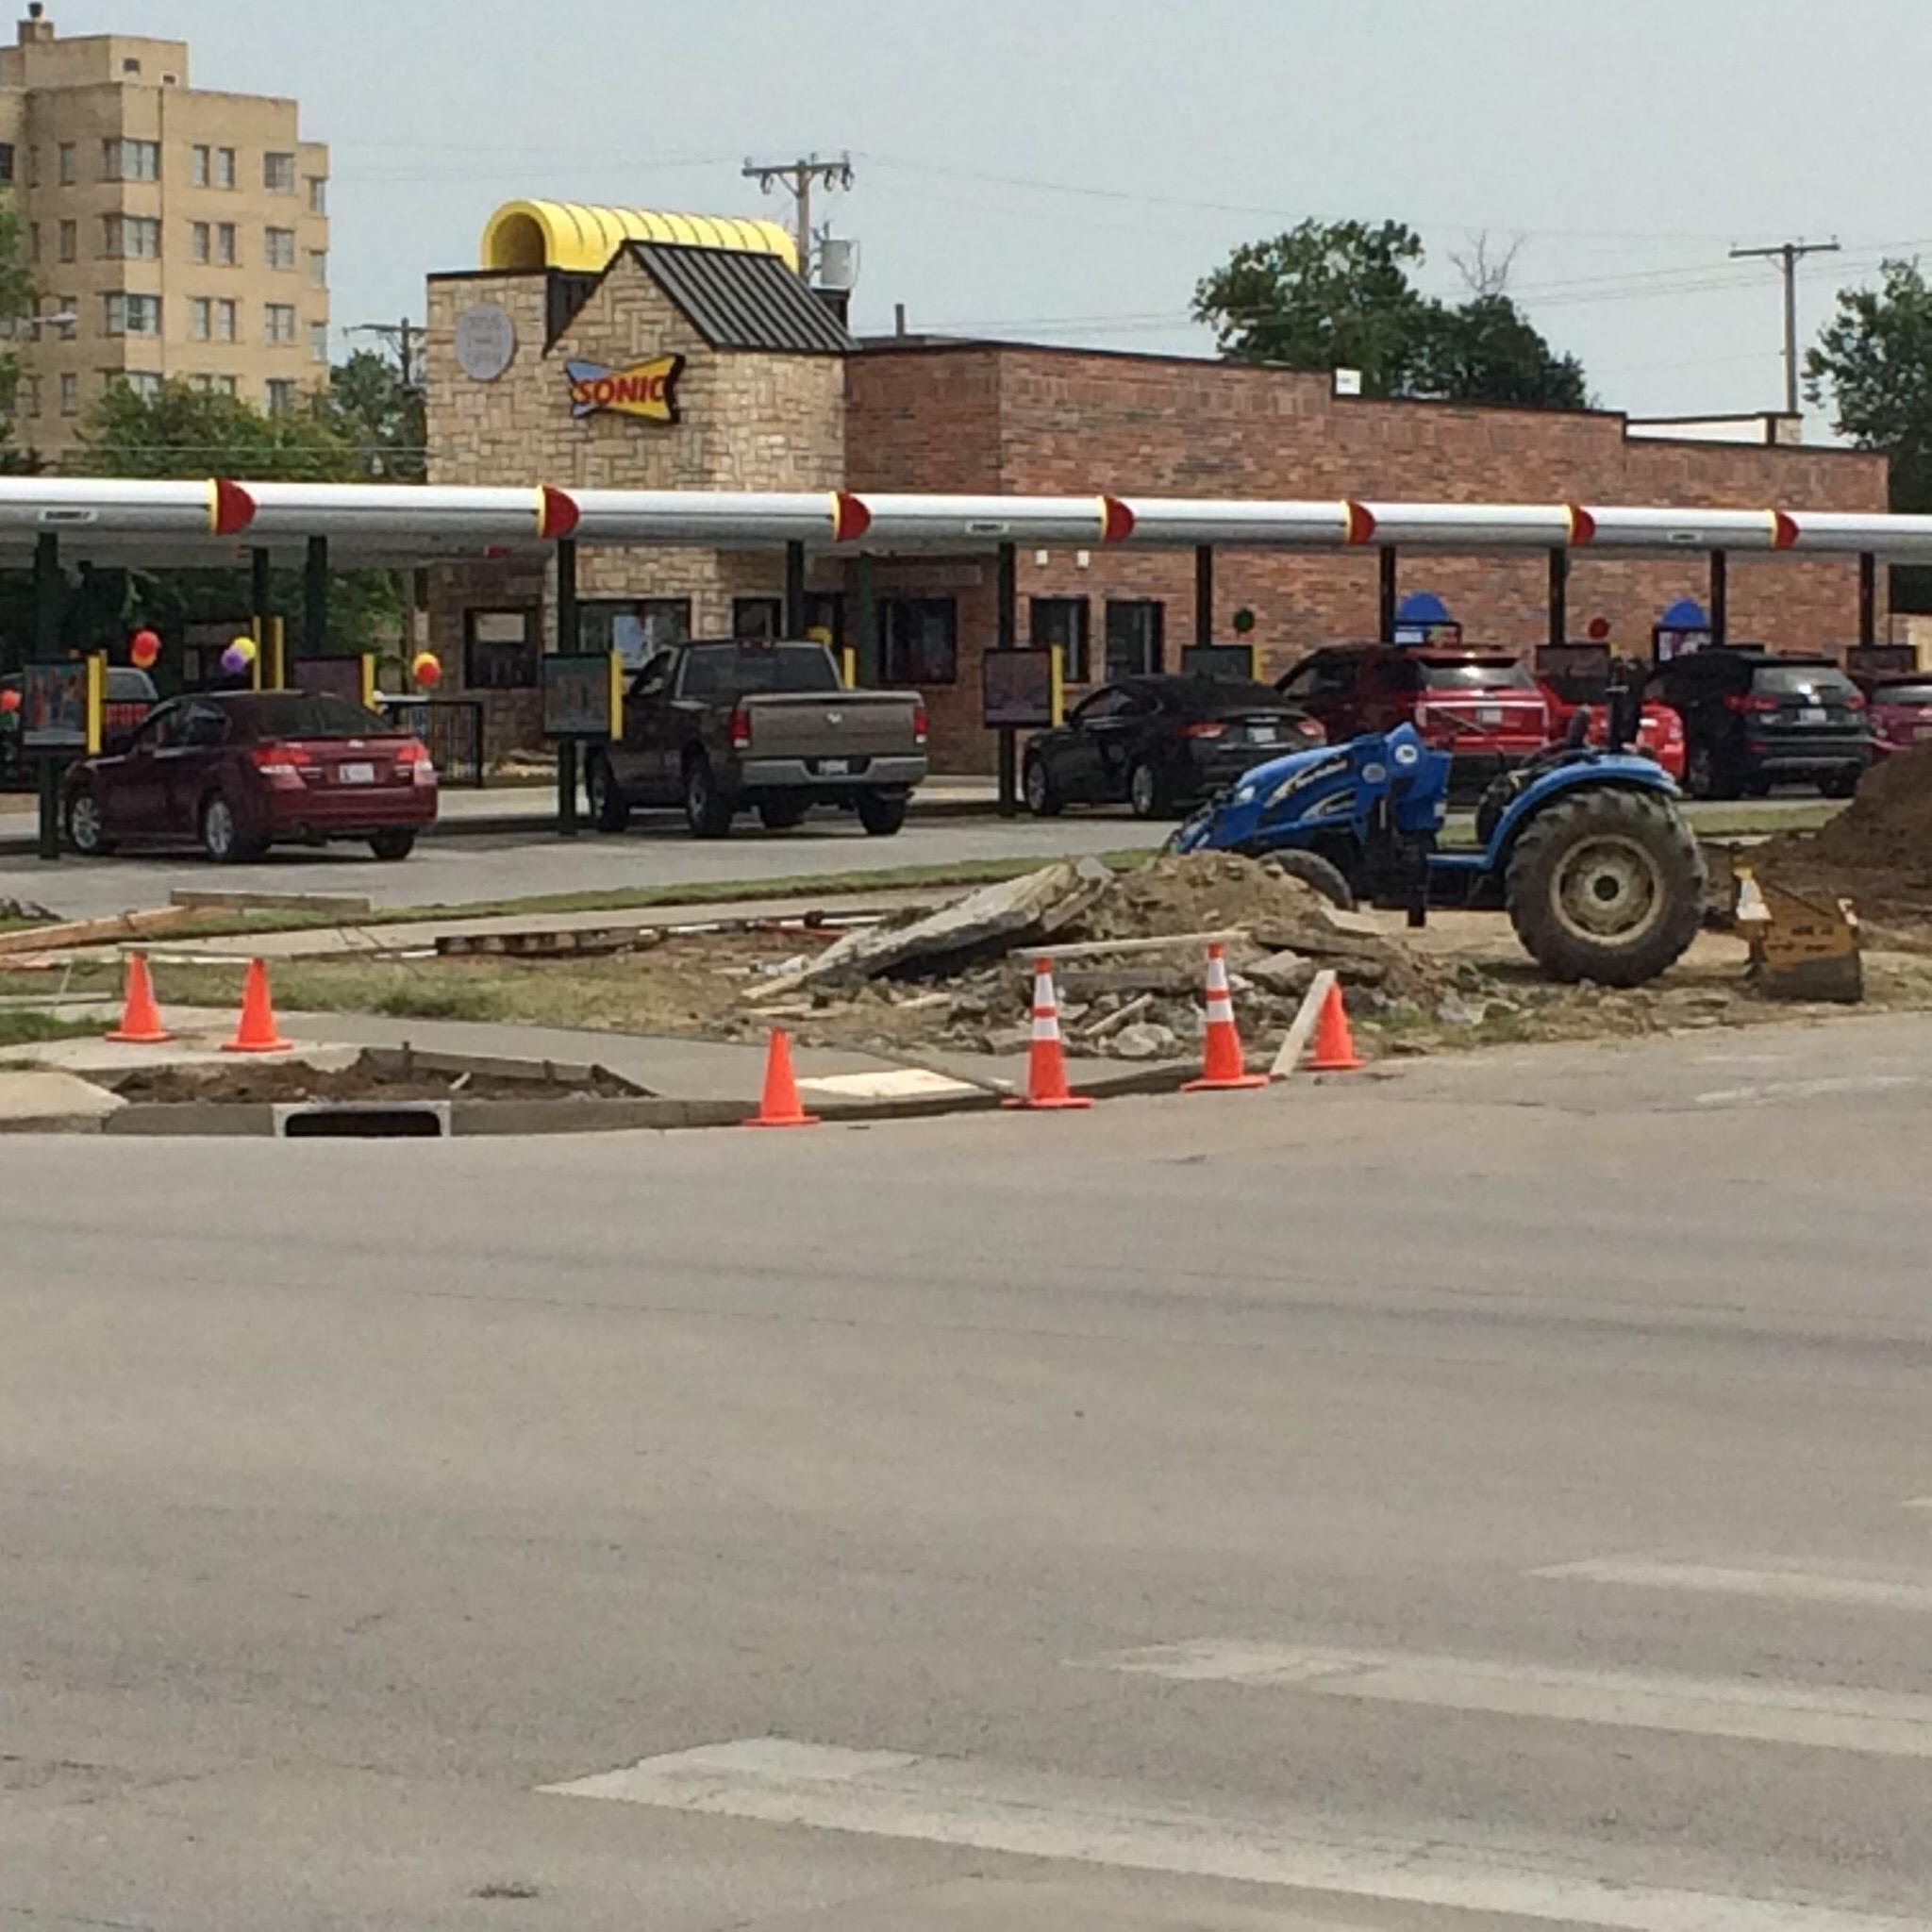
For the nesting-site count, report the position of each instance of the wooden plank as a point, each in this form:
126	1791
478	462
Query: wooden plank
94	932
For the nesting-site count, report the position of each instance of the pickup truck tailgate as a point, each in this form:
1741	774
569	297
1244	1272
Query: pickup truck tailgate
841	724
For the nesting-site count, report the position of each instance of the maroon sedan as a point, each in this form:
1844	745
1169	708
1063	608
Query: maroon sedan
238	770
1900	711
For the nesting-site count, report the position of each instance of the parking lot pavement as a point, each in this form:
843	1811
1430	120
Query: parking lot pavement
1425	1504
459	871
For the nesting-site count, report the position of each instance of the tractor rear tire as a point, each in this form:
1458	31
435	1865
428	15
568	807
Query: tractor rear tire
1319	874
1606	885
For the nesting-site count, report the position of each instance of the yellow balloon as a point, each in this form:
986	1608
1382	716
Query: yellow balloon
247	648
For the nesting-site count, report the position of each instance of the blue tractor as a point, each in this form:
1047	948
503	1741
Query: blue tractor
1586	849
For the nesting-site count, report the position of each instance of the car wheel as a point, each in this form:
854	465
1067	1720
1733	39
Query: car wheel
390	847
87	826
1042	797
781	814
707	811
610	807
882	812
1147	793
1842	784
221	838
1704	772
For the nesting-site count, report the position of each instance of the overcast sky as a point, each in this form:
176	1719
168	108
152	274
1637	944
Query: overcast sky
1065	170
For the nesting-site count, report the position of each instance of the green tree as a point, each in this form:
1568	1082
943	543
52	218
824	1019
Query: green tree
1876	360
186	432
1339	295
20	297
385	416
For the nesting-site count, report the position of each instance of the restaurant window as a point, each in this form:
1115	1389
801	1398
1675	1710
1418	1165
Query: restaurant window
1136	638
1065	621
500	650
758	617
634	627
921	640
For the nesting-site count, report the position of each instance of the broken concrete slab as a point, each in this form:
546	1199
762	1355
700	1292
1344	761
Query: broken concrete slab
37	1100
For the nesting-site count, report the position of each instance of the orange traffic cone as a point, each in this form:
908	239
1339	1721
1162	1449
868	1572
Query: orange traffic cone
1225	1068
1334	1043
141	1019
257	1032
1046	1070
781	1107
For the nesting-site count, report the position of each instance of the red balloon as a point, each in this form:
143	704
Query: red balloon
10	701
144	648
427	670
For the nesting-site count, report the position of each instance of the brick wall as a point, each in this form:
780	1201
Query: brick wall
1071	423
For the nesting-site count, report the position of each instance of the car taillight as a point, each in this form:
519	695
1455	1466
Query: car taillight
1205	727
282	765
1313	731
741	729
1856	701
918	724
1750	701
413	760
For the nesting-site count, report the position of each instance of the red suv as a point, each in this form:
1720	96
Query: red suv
1484	708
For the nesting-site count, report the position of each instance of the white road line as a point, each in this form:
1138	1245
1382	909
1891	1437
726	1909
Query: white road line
956	1801
1918	1503
1773	1093
1817	1586
1887	1723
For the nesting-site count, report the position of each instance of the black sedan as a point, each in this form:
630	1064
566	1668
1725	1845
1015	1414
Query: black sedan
1161	744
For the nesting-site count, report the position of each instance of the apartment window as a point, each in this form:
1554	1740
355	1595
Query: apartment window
318	268
6	160
224	167
133	315
201	241
1136	638
921	639
69	165
499	650
278	173
280	318
131	237
226	254
69	396
227	316
30	394
70	241
130	65
280	246
318	342
144	383
130	160
281	396
217	385
1065	621
33	242
210	321
200	166
318	194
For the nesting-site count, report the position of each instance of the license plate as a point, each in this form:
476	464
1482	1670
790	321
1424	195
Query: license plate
1263	734
1813	714
1489	714
835	768
358	775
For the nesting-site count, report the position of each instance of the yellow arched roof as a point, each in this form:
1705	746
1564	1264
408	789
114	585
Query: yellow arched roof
572	235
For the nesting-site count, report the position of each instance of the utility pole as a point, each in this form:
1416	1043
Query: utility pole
800	177
404	336
1787	255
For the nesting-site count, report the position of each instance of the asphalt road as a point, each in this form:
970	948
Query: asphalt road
457	870
1490	1498
446	871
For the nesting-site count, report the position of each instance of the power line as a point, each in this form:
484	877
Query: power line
1789	253
801	177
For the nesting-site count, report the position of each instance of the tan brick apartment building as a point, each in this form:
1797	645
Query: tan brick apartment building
184	231
788	407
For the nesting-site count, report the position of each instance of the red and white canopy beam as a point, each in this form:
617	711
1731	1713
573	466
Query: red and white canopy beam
712	518
894	522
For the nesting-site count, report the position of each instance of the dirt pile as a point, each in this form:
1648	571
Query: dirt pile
371	1078
1877	851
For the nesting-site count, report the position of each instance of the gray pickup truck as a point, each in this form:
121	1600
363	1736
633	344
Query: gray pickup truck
723	727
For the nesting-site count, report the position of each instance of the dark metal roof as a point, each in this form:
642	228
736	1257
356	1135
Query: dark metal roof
740	301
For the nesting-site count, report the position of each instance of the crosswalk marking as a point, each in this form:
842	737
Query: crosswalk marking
984	1807
1898	1591
1888	1724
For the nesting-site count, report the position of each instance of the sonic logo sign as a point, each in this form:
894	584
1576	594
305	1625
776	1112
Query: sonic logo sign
647	390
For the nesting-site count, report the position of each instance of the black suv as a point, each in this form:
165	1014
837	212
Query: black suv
1753	719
